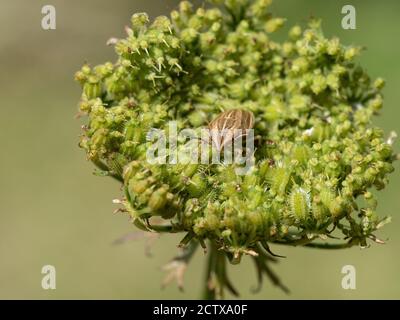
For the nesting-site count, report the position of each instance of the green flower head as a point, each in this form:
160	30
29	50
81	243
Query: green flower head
317	153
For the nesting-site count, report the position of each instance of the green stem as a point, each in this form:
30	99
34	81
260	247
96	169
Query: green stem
209	293
145	226
188	252
308	243
332	246
216	280
299	242
103	167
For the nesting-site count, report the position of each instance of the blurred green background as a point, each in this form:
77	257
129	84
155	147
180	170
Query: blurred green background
54	211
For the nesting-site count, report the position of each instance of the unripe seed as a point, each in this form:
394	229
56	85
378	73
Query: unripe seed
300	203
158	199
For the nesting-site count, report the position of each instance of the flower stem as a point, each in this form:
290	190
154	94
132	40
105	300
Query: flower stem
216	280
208	291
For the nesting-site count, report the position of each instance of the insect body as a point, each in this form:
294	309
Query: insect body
229	126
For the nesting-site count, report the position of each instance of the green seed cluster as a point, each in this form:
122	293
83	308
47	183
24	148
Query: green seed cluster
317	156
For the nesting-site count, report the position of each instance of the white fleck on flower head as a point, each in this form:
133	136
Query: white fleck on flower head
307	196
309	132
392	138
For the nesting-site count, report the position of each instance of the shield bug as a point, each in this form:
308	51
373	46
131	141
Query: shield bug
230	125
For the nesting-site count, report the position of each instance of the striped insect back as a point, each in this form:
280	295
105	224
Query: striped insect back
229	126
